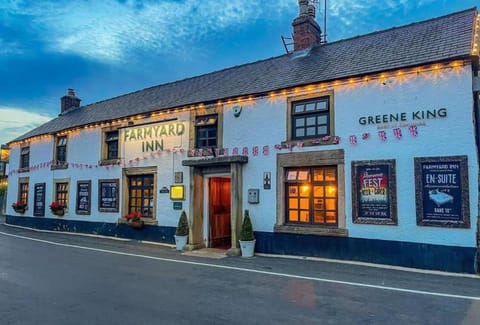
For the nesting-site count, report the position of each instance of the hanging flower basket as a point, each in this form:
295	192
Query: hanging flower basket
19	207
134	220
57	209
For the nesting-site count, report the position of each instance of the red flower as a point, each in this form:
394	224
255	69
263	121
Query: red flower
134	216
18	205
56	206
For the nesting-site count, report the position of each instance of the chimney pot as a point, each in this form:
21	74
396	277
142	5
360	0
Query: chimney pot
306	31
69	101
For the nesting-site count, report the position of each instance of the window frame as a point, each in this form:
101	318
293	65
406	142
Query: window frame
311	159
63	201
23	190
217	109
326	139
24	159
308	184
135	171
60	164
207	126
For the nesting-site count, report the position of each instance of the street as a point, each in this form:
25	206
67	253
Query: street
56	278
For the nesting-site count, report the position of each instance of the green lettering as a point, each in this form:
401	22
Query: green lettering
180	128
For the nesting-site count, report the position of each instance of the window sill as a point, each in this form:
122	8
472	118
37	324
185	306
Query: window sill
24	170
107	162
146	221
324	141
311	230
59	165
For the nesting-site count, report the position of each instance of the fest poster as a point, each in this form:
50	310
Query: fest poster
373	185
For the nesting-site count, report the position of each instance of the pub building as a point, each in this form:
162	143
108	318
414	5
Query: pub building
362	149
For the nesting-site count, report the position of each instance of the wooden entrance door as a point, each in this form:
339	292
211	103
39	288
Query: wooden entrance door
219	212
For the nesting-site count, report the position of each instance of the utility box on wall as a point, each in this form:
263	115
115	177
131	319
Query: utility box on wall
253	196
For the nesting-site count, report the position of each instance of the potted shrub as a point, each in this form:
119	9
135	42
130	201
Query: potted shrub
181	234
57	208
19	207
134	220
247	240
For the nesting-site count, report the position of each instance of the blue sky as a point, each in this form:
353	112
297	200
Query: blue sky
106	48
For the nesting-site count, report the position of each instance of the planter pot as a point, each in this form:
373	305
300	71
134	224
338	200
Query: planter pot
180	242
137	224
247	247
59	212
19	210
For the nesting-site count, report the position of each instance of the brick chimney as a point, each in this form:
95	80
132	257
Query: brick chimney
69	101
306	31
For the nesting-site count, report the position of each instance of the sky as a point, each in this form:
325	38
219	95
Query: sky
106	48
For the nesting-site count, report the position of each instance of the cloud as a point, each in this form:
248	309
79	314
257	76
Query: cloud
110	30
9	48
16	121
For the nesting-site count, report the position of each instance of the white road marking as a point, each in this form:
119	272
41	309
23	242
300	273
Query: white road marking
286	275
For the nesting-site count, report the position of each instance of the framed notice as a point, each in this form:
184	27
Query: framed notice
441	187
39	200
108	192
83	197
374	192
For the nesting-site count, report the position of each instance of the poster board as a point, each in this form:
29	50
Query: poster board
441	191
108	195
84	201
374	192
39	200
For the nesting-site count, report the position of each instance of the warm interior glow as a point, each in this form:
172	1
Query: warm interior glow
331	190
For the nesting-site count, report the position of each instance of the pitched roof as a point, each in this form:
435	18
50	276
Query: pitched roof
444	38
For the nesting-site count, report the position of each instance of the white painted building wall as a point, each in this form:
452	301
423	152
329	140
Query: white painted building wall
264	122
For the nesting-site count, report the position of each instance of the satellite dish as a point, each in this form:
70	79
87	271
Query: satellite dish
237	110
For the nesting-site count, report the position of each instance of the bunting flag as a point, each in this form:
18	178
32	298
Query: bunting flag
382	135
365	136
413	130
397	132
353	139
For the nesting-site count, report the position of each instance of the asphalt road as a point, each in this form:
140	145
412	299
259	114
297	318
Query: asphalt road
54	278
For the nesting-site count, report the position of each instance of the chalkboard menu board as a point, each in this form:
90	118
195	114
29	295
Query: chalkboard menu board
108	195
374	192
39	200
442	191
83	197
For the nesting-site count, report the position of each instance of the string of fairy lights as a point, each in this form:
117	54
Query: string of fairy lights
402	75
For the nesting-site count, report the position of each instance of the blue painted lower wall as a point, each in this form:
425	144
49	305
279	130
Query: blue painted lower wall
407	254
150	233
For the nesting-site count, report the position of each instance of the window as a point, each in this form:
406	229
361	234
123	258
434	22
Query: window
206	131
311	118
111	141
61	193
141	191
312	195
24	158
61	150
23	190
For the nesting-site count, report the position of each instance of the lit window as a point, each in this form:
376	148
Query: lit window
312	195
311	118
23	192
61	193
